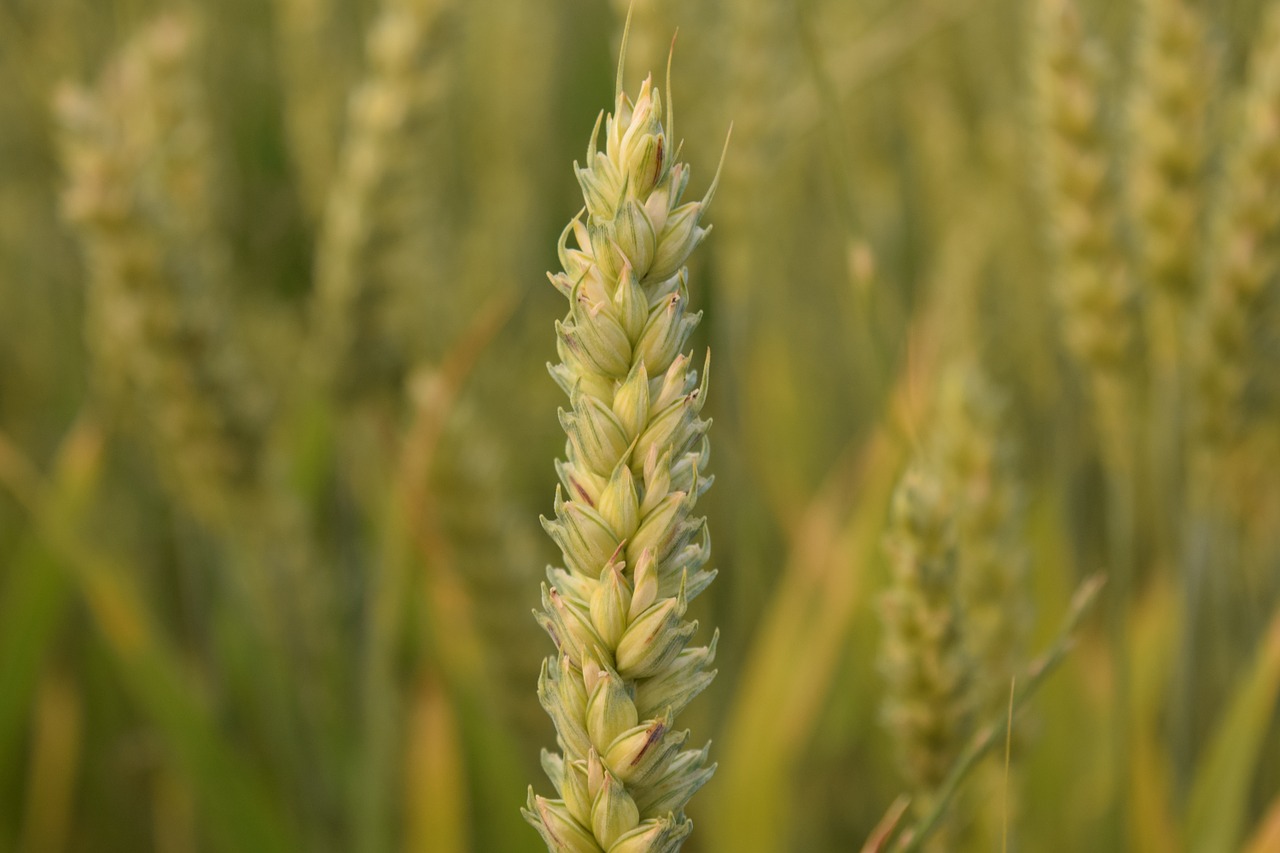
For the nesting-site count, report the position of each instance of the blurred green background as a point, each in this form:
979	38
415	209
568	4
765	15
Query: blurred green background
276	429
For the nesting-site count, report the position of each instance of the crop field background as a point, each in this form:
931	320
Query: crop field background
992	305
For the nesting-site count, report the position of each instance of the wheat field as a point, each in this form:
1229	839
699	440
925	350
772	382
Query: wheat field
991	296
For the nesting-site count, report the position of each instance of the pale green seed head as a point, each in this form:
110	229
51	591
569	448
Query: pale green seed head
636	453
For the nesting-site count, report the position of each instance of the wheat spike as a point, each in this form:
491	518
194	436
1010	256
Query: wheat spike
1092	284
136	151
635	464
369	215
1243	253
926	669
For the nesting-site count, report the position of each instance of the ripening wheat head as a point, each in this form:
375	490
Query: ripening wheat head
1168	108
137	154
1092	286
1243	255
633	551
370	215
923	659
977	465
1092	281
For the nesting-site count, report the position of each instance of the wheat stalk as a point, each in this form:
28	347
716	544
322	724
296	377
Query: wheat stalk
633	552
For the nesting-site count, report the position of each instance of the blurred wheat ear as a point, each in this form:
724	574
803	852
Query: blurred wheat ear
1092	282
927	669
316	68
1168	147
382	208
1243	256
137	153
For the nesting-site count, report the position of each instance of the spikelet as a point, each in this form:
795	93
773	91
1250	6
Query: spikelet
923	659
1243	253
136	153
1091	282
634	553
973	452
369	213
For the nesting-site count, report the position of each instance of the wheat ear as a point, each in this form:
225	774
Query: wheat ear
493	545
926	669
1168	147
1091	281
315	73
975	458
366	217
1244	256
1167	113
634	553
136	152
977	462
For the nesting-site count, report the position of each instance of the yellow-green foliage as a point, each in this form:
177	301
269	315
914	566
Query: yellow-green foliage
276	429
